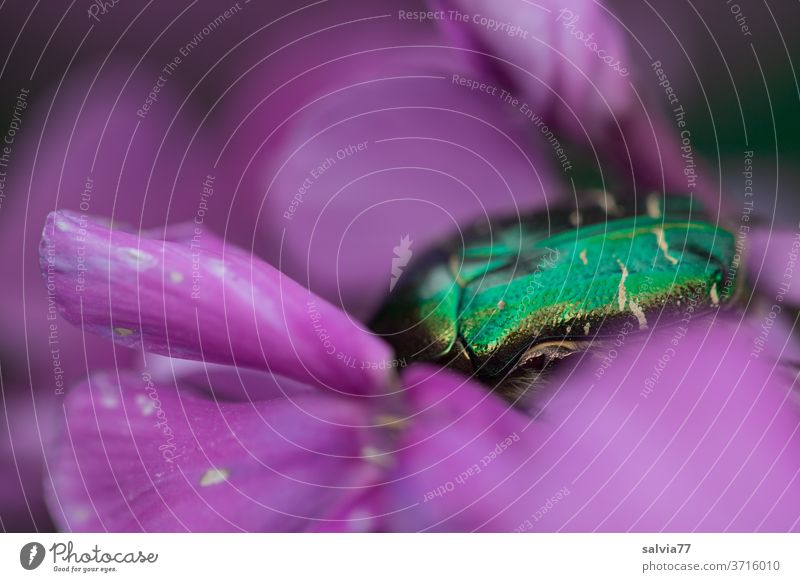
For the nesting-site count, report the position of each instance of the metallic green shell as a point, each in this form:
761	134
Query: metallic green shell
565	275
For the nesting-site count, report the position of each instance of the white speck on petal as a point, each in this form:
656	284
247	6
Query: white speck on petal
391	421
109	401
63	225
214	477
137	258
216	267
374	455
123	331
146	405
108	391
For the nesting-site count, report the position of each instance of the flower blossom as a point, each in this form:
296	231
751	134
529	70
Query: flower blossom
261	402
303	440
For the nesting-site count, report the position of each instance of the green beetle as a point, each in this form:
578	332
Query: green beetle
508	297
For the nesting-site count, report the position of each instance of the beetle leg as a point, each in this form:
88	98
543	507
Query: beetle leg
548	352
458	359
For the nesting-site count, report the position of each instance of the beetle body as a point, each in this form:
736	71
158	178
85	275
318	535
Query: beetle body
515	294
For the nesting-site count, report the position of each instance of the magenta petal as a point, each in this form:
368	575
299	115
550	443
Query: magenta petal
196	235
83	149
224	382
694	436
685	433
188	302
25	423
569	60
458	459
553	63
772	259
138	455
404	154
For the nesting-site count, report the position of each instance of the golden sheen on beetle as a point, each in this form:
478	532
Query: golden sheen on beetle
523	292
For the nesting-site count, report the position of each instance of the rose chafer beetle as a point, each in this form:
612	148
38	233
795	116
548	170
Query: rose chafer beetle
506	298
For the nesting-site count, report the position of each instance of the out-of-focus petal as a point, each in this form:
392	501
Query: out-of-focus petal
184	301
398	147
82	149
772	263
223	382
668	434
673	434
86	151
189	234
551	64
25	427
463	458
571	62
137	455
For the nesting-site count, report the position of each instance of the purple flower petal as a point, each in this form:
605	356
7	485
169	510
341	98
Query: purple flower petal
86	152
25	424
188	302
81	149
686	432
570	62
457	458
223	382
138	455
396	149
689	432
772	259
